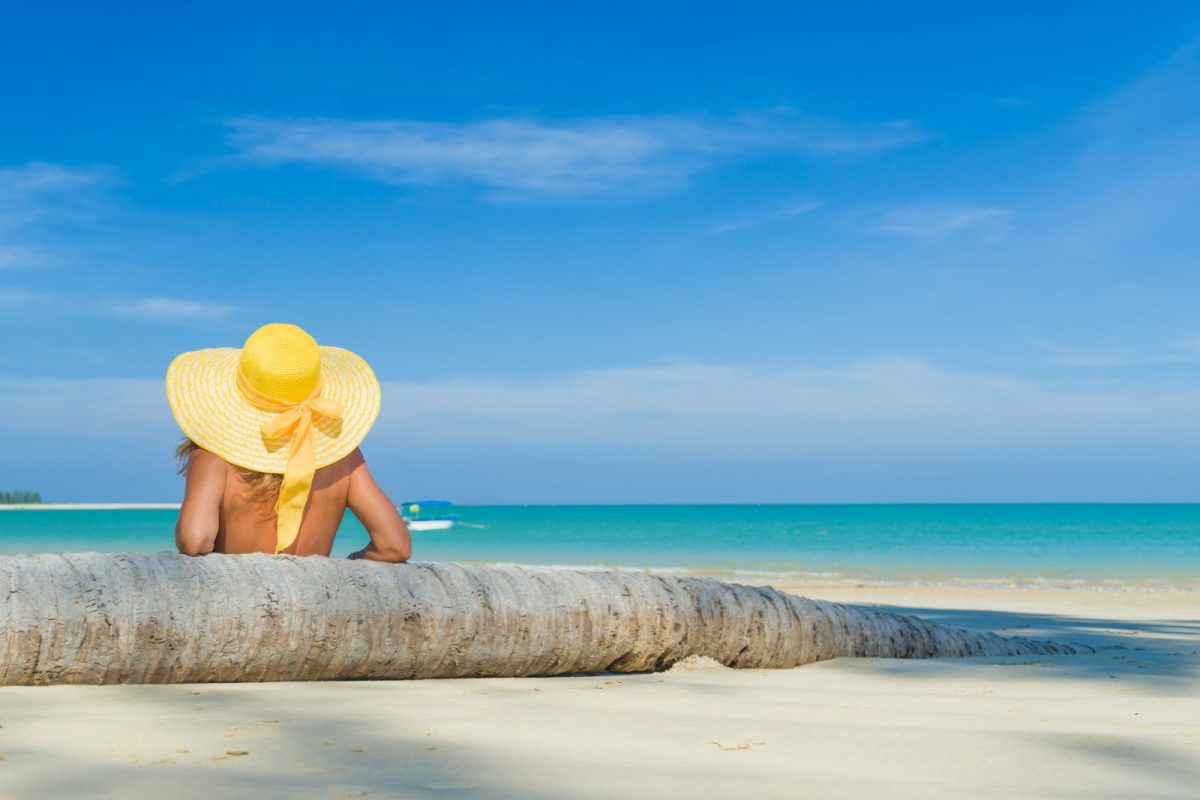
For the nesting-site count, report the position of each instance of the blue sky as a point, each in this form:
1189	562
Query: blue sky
617	253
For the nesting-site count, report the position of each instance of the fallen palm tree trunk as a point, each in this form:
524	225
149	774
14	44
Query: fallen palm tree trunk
163	618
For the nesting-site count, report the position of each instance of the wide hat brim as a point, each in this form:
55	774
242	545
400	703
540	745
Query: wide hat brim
205	399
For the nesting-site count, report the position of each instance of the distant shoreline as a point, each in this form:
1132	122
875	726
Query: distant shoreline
87	506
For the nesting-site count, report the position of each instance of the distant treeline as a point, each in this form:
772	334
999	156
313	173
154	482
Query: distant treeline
20	497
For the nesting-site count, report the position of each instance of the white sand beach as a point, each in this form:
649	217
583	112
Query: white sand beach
1123	722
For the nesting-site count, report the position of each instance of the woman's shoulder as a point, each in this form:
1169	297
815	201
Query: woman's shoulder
203	459
354	459
344	465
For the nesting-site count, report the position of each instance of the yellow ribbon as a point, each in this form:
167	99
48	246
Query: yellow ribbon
294	419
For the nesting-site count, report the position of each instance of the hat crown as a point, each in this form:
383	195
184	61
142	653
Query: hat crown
281	361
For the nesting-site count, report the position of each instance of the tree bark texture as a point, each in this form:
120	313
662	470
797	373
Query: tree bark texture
102	618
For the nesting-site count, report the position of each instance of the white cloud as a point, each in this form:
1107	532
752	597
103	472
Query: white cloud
15	296
875	406
37	178
885	404
894	428
1182	351
789	211
35	189
1189	346
33	194
118	410
938	220
518	158
21	256
167	308
1135	180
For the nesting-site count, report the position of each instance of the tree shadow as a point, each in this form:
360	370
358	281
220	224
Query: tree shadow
290	741
1155	763
287	744
304	740
1148	652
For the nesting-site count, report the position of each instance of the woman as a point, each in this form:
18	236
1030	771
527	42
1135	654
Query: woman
271	454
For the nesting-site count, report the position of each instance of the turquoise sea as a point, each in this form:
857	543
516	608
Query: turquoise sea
1119	543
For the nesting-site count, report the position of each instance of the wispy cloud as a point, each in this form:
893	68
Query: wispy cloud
1183	351
38	178
938	220
118	409
789	211
521	158
887	403
170	308
15	296
32	189
1189	346
22	256
1135	179
890	428
34	194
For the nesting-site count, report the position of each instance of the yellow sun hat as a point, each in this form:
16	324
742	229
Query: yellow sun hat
280	404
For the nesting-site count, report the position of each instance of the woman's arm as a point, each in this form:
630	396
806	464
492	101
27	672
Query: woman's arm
390	540
200	515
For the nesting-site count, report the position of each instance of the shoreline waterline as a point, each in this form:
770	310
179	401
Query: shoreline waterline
1099	547
90	507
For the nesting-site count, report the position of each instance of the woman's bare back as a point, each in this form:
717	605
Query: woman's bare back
223	512
247	522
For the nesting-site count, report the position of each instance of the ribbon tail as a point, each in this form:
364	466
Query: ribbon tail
297	483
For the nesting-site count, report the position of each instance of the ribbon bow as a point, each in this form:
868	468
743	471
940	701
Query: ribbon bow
294	419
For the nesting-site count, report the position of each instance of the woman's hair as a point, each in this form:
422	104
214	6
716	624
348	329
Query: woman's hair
262	485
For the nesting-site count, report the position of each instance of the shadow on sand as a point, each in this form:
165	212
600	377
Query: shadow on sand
309	743
277	749
1152	651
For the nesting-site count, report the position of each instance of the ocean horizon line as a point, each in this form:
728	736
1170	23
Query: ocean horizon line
120	506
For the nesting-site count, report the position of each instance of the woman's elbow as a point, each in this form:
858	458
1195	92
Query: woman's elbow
192	541
398	553
193	548
399	546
